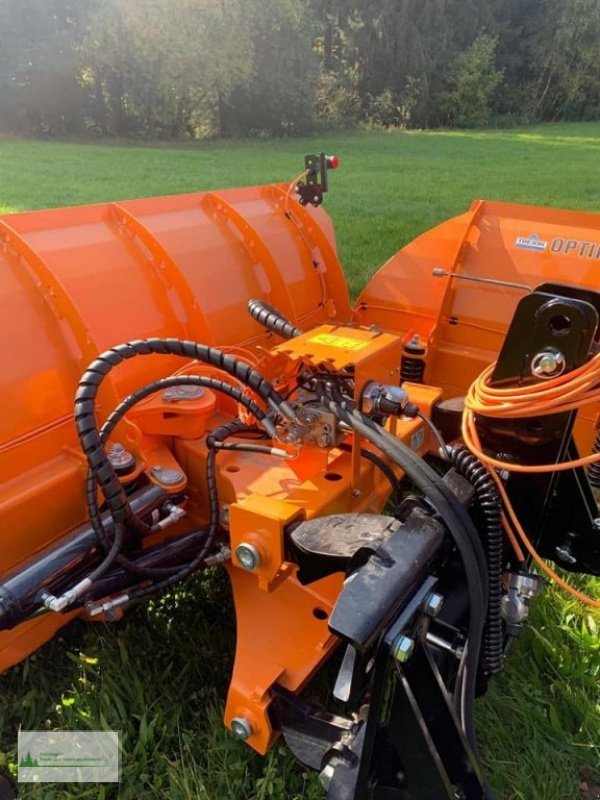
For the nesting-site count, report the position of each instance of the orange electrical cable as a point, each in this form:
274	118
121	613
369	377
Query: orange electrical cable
566	393
512	538
583	598
292	186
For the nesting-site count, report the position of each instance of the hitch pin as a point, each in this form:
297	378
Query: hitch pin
438	272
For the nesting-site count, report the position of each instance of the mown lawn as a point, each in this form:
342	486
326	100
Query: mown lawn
161	676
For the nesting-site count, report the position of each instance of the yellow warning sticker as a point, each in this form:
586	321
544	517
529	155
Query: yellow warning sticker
343	342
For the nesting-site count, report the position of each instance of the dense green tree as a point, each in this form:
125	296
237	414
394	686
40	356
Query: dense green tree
192	68
473	82
277	96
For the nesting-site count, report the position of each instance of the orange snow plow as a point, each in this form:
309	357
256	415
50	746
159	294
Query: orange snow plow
185	385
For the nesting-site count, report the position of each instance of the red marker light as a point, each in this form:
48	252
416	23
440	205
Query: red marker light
333	162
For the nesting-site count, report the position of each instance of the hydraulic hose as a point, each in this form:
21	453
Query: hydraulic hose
461	529
272	320
385	469
85	404
115	417
489	501
218	435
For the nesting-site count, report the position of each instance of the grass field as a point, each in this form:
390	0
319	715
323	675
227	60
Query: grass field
161	676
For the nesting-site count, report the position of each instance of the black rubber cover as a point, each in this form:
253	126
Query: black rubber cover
374	593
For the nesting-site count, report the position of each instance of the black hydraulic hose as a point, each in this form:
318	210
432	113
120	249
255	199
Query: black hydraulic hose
172	552
272	320
85	406
112	554
475	472
385	469
113	420
218	435
459	525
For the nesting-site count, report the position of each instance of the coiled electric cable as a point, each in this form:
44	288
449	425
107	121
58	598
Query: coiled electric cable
568	392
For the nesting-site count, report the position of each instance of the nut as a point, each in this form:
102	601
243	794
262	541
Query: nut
168	477
403	649
433	604
548	364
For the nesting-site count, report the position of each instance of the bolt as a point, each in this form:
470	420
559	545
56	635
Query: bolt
120	458
596	524
248	556
241	728
403	649
548	364
168	477
433	604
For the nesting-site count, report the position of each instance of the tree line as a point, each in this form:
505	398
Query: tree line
199	68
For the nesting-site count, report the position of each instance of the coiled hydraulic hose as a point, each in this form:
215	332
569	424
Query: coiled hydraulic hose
85	403
489	501
272	320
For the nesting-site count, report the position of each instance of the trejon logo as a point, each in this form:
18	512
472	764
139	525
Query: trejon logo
532	242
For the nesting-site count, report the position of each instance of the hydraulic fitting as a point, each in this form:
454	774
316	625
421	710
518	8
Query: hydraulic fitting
381	399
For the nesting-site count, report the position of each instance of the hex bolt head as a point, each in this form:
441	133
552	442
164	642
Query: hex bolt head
241	728
433	604
248	556
403	649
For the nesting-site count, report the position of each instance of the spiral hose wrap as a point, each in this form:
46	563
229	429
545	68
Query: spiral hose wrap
272	320
89	385
489	501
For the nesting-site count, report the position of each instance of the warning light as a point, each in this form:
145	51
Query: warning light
333	162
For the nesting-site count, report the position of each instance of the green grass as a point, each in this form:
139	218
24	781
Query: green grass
161	675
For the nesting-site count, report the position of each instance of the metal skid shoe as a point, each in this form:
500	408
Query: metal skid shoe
402	739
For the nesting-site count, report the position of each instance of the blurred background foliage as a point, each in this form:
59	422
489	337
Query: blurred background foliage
235	68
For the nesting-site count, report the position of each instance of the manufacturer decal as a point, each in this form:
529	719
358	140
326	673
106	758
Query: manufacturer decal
532	242
579	248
